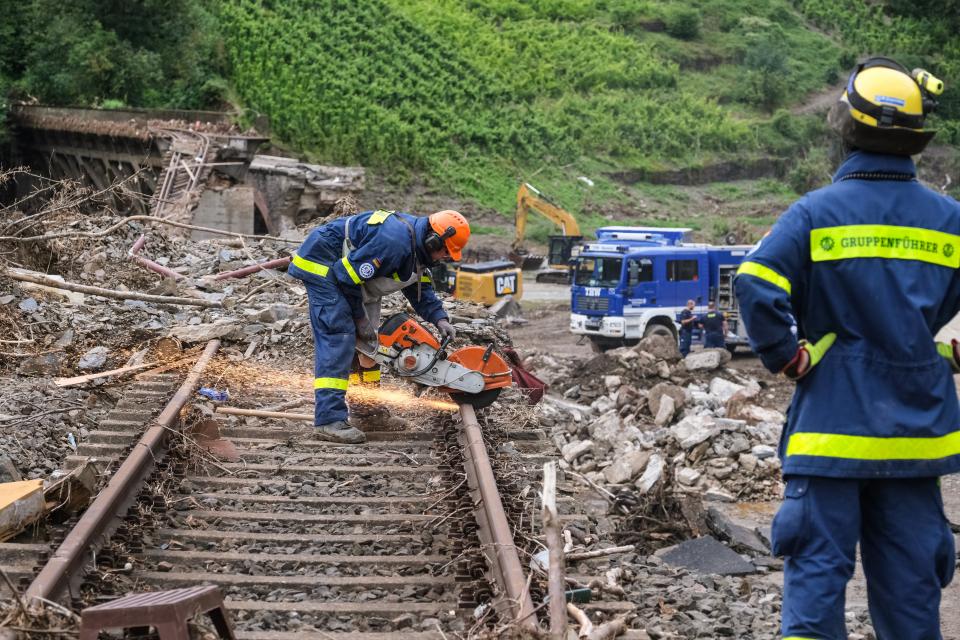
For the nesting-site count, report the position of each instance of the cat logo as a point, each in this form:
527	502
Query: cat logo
505	284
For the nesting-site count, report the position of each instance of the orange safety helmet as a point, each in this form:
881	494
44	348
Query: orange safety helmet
450	228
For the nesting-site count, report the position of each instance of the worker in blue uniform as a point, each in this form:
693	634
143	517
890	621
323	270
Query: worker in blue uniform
348	265
714	325
867	269
687	320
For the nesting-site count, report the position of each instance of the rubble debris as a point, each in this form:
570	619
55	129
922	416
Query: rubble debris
47	281
69	494
706	555
94	358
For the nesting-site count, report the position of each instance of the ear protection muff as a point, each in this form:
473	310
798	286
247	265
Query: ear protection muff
435	241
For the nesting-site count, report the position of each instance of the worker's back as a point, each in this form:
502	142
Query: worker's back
872	258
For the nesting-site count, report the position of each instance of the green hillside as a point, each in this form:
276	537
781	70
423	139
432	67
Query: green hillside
469	97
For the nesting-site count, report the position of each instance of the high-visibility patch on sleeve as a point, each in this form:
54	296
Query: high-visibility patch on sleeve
885	241
310	266
758	270
426	279
350	271
331	383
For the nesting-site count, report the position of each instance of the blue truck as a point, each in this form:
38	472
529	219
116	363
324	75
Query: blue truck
633	282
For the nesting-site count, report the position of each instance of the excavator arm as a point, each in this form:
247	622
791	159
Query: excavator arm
529	198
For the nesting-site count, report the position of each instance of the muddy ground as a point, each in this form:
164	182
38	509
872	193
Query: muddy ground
546	310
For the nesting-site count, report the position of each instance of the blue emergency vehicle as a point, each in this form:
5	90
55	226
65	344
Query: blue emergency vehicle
633	282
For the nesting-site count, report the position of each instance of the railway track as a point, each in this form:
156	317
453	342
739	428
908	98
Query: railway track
405	536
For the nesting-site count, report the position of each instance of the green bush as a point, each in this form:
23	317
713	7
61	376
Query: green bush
683	22
812	172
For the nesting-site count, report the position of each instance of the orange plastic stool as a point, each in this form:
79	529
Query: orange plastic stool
165	611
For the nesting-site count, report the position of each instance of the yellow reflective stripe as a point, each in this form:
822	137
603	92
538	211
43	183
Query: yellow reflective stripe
371	376
330	383
818	348
834	445
311	266
426	279
396	276
350	272
354	379
945	350
757	270
885	241
378	216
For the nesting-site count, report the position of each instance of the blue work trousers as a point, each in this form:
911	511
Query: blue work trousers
714	341
906	547
686	337
334	339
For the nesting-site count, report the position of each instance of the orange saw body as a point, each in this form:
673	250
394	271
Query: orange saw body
471	375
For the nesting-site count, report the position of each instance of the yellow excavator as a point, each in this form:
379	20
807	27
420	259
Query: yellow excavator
560	247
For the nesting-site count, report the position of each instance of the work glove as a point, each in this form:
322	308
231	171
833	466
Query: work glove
807	356
446	329
365	331
951	352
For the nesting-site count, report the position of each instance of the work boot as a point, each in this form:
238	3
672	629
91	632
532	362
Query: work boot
340	431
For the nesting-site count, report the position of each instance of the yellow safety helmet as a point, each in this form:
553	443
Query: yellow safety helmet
884	108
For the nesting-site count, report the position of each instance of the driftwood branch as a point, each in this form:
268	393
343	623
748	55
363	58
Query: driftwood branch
142	218
53	283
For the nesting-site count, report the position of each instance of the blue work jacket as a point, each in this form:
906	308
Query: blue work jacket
383	248
873	258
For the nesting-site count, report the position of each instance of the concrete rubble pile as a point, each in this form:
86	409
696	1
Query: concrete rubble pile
633	415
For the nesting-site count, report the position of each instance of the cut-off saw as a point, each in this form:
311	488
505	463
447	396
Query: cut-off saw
472	375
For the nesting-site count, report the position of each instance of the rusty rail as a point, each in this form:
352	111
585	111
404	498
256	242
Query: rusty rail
113	501
494	530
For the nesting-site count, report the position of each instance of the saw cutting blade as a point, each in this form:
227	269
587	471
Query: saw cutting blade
477	400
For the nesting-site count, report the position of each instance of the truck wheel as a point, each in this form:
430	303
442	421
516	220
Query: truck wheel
659	330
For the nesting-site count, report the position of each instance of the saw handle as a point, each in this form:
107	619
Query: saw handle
442	351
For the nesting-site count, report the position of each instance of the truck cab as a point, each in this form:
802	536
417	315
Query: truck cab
634	281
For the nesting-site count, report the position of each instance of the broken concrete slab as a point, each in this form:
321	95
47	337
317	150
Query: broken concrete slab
693	430
660	347
626	467
661	389
724	389
706	555
651	475
739	536
665	413
204	332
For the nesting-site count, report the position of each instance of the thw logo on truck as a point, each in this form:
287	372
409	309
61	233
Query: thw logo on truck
505	284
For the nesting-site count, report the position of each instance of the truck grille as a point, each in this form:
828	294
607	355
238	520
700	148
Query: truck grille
592	303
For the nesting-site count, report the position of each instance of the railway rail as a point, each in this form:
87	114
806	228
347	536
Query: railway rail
405	536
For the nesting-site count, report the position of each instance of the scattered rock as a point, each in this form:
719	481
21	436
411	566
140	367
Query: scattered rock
94	358
693	430
661	389
626	467
723	390
740	537
703	360
651	475
665	412
574	450
660	347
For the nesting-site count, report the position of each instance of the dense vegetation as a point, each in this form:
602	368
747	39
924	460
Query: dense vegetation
475	95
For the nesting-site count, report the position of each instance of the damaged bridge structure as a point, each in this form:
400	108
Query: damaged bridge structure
193	167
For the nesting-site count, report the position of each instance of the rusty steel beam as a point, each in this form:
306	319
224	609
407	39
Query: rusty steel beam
245	271
102	517
501	551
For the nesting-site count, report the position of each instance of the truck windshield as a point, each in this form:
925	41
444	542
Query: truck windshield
598	272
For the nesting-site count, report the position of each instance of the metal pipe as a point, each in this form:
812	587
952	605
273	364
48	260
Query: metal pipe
515	582
102	517
133	254
245	271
